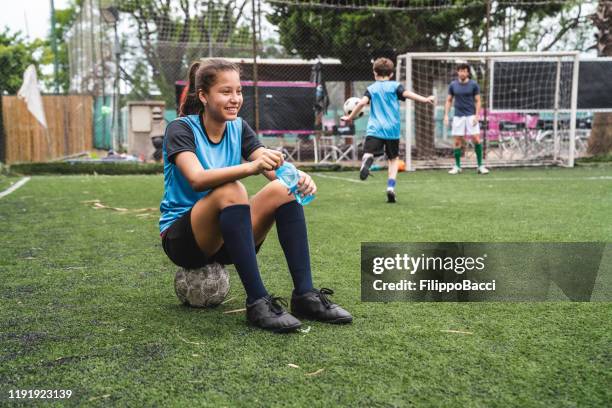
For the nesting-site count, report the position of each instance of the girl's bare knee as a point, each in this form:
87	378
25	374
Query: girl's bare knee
273	195
231	193
281	193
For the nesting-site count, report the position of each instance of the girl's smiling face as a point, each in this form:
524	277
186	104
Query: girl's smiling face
224	99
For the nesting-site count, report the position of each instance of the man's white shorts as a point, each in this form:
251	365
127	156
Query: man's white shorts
464	126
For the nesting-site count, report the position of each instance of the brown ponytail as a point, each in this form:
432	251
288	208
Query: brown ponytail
190	103
202	76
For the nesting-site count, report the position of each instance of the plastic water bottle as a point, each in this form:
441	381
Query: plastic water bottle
289	176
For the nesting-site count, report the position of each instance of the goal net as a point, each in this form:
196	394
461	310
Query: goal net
527	116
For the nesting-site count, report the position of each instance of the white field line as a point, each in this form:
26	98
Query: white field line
14	187
481	179
336	178
590	178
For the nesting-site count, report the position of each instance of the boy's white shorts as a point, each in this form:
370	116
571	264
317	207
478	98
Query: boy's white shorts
464	126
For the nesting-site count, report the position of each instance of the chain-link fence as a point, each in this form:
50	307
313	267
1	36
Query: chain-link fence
93	67
310	55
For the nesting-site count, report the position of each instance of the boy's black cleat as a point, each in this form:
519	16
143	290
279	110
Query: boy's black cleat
268	313
390	196
365	168
315	305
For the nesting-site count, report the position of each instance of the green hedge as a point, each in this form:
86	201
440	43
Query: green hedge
114	168
604	158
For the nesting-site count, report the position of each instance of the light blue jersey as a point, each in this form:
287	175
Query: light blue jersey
179	197
384	121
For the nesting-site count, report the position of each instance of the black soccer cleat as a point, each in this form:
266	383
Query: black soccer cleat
364	172
315	305
391	196
268	313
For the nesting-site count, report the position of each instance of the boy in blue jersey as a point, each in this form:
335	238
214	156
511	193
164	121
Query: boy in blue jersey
207	216
384	123
466	95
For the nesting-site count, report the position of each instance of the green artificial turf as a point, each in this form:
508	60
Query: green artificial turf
7	181
87	300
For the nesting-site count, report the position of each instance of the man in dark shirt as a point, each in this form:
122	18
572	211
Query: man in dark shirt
466	95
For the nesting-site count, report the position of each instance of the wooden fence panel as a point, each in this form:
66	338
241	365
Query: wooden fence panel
70	128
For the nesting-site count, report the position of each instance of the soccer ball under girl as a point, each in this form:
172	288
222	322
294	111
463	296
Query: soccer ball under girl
202	287
350	104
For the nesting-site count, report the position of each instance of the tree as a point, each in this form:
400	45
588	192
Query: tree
356	36
600	142
172	34
64	19
568	29
15	56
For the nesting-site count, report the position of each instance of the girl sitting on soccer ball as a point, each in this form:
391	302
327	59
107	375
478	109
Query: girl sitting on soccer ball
207	215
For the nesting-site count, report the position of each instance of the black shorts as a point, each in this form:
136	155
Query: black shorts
181	247
374	145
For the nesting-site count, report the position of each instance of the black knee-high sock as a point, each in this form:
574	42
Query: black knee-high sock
293	237
237	231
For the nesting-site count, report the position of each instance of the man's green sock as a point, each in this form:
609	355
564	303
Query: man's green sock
458	157
478	150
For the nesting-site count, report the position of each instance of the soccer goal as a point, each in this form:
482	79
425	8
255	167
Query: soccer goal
528	108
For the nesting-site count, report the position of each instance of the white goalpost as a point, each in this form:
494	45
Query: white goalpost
528	113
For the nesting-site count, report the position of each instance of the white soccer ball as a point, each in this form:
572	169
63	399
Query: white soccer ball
350	104
203	287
